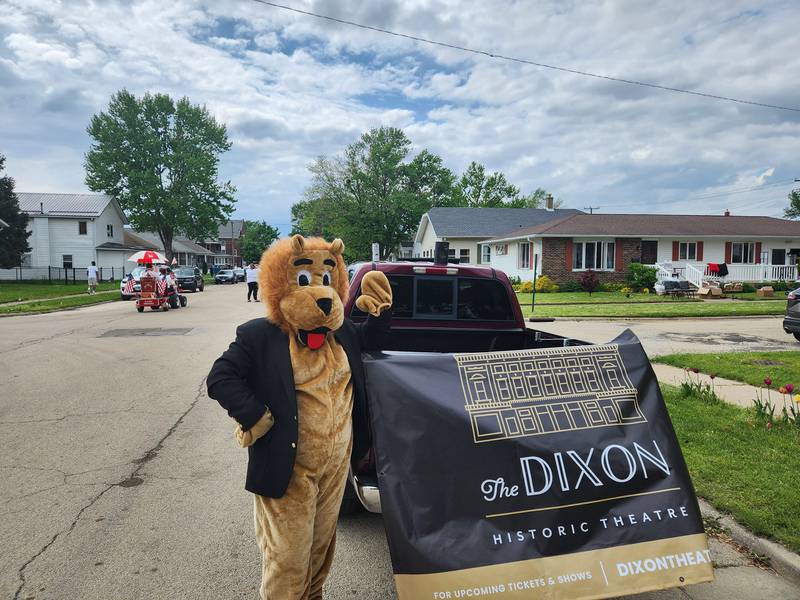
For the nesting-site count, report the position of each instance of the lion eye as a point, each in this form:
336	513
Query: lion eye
303	278
326	278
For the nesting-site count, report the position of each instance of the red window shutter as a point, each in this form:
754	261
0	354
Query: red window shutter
699	251
568	255
530	261
758	253
675	250
728	252
618	254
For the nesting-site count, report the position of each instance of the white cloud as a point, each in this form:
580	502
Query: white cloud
291	87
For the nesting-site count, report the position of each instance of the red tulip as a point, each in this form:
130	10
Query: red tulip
769	425
767	381
694	370
789	388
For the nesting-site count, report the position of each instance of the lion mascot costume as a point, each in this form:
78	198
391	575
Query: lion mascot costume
294	383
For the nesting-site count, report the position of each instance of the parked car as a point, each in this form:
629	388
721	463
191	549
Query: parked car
240	274
189	278
442	308
791	322
136	274
225	276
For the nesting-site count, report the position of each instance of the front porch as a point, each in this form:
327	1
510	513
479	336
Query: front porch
751	273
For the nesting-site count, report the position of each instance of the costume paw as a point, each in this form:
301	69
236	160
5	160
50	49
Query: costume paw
259	430
376	293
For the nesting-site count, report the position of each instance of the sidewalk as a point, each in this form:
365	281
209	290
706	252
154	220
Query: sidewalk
47	299
732	392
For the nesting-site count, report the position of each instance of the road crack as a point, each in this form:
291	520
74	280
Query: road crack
134	475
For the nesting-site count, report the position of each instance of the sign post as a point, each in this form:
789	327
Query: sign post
376	252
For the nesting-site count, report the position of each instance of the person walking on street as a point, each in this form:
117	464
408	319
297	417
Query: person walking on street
91	278
251	274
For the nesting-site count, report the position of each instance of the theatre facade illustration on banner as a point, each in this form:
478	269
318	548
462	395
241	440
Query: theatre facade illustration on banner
513	394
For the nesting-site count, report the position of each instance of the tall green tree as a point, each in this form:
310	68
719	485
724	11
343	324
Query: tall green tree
476	189
372	193
159	158
256	238
793	210
537	198
14	234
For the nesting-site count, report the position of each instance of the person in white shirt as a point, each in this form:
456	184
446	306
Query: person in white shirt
91	278
251	275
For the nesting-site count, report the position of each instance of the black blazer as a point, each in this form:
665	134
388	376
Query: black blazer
256	372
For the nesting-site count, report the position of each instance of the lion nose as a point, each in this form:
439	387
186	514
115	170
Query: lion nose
325	305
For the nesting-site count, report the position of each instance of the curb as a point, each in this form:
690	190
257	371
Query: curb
785	562
55	310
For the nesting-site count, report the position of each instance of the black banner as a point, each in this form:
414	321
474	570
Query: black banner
548	473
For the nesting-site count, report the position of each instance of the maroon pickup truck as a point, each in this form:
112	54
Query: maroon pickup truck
442	308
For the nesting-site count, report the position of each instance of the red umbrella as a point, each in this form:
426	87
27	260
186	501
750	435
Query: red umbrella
148	256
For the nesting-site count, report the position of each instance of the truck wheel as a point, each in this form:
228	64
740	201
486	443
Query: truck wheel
797	335
183	301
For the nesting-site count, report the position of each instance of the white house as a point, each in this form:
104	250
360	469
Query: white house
690	247
72	230
465	228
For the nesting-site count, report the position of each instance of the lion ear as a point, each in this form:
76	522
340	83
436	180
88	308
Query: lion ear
298	243
337	246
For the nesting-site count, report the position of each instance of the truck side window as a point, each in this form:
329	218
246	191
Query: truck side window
434	297
484	300
402	297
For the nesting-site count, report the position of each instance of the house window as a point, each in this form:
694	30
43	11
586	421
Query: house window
110	230
501	249
687	251
81	227
486	254
463	256
598	256
66	260
743	253
451	254
524	261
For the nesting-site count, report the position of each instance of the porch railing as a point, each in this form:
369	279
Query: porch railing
755	273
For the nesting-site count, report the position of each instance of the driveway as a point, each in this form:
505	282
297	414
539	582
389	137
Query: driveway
667	336
121	479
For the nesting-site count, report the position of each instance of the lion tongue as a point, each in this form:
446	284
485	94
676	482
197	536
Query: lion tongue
315	340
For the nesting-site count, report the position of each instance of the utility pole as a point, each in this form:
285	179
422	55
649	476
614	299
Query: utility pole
591	209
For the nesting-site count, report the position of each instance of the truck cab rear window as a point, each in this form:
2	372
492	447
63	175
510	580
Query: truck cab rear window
424	297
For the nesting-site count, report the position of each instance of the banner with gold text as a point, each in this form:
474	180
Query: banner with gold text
549	473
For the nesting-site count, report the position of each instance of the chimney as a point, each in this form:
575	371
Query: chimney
440	253
727	213
548	202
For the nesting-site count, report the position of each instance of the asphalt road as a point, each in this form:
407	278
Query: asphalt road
121	479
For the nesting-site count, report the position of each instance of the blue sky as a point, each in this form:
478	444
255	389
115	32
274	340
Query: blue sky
291	88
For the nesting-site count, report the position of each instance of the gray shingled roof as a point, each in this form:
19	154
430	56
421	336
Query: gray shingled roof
637	225
150	239
63	205
225	229
486	222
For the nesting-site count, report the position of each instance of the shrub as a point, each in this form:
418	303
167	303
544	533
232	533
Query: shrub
526	287
641	276
612	286
589	281
570	286
545	284
748	287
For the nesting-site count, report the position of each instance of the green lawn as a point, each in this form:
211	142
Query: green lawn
658	309
749	367
596	298
52	305
780	296
14	292
740	466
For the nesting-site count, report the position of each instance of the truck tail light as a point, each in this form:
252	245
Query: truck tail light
436	270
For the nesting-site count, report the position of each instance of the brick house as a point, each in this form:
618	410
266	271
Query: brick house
753	248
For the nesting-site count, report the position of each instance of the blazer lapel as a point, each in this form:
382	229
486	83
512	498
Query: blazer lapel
280	361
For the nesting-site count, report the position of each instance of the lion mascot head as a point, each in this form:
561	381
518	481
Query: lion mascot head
304	285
